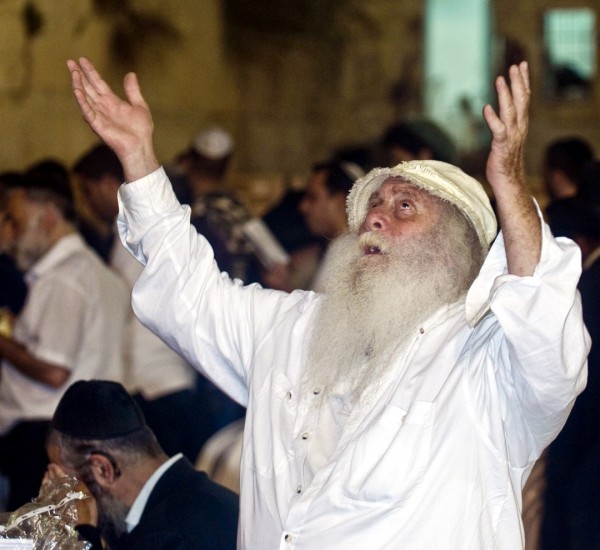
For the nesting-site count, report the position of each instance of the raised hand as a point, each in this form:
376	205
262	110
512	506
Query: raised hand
506	172
509	128
124	125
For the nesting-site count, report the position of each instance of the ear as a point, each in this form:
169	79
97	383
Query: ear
102	470
50	217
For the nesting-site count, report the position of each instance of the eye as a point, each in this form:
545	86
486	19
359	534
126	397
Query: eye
375	201
405	205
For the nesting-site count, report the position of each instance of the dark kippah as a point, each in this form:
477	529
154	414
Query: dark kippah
97	409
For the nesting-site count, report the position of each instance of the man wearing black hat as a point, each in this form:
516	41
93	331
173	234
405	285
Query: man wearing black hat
144	499
70	328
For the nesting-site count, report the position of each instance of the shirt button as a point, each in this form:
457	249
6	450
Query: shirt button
289	538
299	489
422	330
316	391
288	395
305	435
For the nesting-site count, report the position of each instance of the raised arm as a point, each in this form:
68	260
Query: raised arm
125	126
506	172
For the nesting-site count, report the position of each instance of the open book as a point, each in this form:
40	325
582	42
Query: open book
266	246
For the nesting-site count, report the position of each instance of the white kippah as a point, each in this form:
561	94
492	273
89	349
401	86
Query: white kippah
214	143
438	178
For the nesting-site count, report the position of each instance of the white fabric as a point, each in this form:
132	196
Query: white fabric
439	458
214	143
74	317
151	367
139	504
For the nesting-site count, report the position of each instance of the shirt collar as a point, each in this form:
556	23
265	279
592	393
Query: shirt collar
62	249
139	504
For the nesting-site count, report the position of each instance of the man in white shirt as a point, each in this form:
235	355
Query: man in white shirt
70	328
406	407
142	499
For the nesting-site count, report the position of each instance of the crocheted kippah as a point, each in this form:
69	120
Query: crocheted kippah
438	178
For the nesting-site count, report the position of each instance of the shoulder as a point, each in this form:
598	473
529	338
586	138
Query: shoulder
187	504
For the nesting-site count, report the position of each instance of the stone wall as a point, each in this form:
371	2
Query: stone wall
287	100
521	24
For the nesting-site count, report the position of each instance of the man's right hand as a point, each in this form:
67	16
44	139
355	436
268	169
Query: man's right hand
125	126
87	509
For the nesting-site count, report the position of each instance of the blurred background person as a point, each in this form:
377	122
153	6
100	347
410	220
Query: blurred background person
216	212
417	139
13	289
324	207
562	166
572	499
71	326
163	383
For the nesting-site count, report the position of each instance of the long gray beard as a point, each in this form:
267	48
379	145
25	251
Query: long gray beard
112	513
374	306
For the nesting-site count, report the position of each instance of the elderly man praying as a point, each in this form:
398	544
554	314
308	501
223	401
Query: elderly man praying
406	406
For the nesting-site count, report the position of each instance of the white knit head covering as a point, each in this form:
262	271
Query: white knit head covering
214	143
438	178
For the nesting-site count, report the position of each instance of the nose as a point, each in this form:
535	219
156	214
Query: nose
376	220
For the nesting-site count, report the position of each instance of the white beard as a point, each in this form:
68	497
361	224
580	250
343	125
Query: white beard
375	304
32	244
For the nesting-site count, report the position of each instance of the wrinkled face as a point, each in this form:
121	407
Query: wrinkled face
320	207
397	211
29	223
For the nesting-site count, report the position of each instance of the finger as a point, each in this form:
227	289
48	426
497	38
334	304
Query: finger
93	77
58	471
495	124
83	100
506	106
521	93
133	91
80	80
519	86
524	67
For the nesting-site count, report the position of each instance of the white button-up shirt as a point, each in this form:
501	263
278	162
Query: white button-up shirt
438	458
74	317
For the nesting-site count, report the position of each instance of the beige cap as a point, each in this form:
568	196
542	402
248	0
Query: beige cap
438	178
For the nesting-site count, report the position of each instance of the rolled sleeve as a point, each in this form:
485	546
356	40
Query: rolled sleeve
542	363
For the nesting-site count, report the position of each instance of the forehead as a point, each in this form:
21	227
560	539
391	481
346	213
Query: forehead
53	452
395	184
316	183
17	198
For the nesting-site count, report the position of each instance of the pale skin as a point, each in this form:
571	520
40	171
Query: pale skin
126	126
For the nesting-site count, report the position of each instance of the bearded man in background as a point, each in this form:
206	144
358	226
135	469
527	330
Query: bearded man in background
70	328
